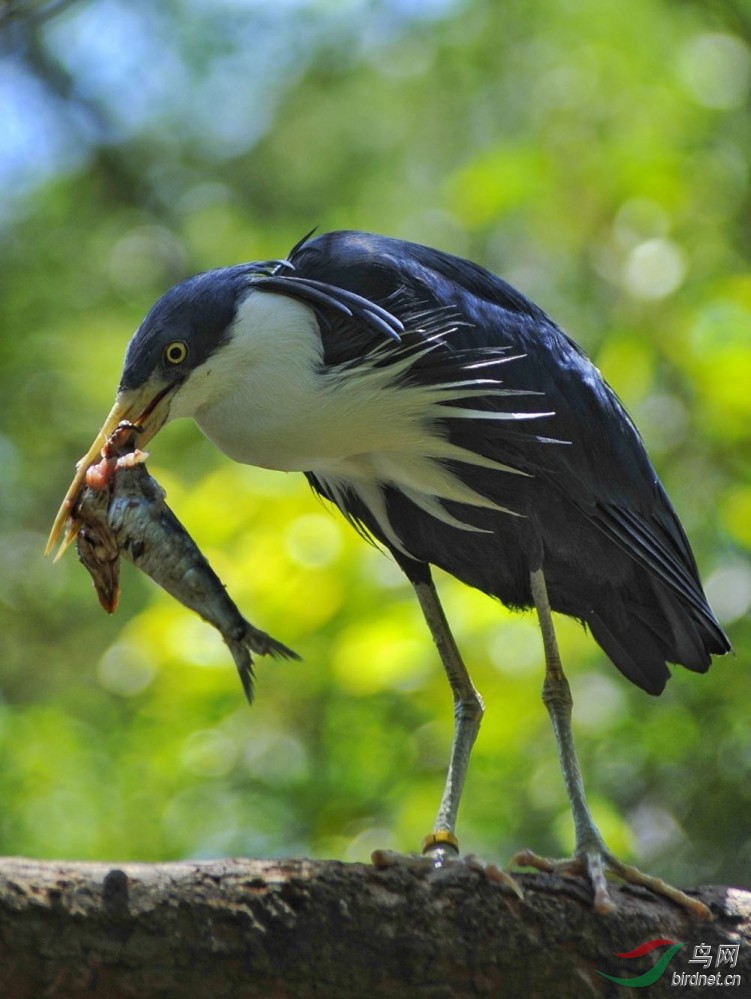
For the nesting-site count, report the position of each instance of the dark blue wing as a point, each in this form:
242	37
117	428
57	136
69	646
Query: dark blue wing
587	459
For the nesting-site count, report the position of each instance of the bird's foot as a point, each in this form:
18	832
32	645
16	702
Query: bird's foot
441	851
594	862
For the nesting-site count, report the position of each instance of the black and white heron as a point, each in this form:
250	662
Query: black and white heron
451	420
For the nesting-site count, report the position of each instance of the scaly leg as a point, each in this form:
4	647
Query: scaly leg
442	846
591	856
468	712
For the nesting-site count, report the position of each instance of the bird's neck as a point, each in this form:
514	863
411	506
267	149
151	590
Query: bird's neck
265	397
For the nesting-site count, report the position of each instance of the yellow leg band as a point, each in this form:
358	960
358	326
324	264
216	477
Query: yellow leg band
440	838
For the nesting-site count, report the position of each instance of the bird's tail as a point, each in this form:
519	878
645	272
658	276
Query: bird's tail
642	638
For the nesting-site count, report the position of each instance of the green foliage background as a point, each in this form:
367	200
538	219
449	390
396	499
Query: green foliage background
595	154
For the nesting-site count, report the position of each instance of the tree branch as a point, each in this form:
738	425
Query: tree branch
244	928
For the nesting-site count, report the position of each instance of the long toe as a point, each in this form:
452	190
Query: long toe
595	863
633	876
494	873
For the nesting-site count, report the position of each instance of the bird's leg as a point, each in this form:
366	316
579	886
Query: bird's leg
556	696
592	856
441	845
468	712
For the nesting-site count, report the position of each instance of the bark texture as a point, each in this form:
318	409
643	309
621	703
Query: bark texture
299	928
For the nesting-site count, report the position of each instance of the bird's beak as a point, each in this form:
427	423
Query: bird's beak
147	407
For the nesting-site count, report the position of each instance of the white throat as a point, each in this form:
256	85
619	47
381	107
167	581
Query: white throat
254	396
265	398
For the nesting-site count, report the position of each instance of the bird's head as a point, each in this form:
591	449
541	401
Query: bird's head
225	347
166	360
172	347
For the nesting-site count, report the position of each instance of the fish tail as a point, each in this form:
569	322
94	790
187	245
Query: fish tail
248	640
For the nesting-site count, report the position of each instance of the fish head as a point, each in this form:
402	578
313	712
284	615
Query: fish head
99	555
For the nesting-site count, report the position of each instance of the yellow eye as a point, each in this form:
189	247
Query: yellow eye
176	352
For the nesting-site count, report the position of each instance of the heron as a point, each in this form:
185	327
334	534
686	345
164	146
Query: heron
455	424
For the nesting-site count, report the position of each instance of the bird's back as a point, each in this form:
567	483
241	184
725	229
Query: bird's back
583	499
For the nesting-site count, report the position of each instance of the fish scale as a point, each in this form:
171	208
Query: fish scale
126	515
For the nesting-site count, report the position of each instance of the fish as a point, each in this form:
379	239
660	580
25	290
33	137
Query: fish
121	511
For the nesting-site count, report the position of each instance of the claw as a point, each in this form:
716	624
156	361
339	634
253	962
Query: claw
494	873
383	859
594	862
